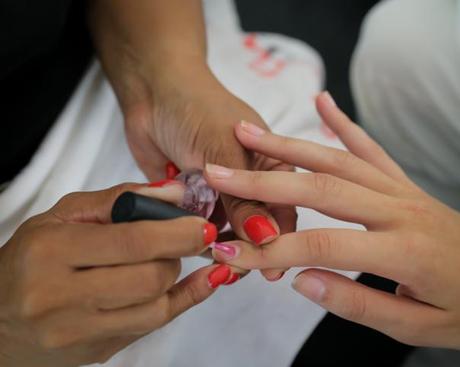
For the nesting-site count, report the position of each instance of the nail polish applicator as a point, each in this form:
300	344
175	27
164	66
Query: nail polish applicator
131	207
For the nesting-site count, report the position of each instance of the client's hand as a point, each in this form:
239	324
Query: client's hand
411	237
75	289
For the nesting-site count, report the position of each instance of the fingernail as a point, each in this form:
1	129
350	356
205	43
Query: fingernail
171	170
259	229
163	183
209	233
311	287
226	251
252	129
330	101
233	279
280	275
216	171
219	276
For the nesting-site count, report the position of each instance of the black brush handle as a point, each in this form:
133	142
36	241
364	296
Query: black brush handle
131	207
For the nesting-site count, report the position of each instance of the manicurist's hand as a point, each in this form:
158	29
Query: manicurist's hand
75	288
154	54
411	237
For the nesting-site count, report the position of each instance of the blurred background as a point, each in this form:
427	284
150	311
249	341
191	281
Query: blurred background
330	26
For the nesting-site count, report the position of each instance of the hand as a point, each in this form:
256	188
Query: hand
154	54
190	121
411	237
76	289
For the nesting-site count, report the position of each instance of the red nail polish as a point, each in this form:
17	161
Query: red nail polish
259	229
171	170
210	233
162	183
233	279
219	276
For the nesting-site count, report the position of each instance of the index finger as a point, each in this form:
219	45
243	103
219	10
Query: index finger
128	243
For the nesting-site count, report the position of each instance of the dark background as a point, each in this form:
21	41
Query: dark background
330	26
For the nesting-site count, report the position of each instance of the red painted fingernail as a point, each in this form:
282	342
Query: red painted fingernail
162	183
278	277
259	229
171	170
210	233
233	279
219	276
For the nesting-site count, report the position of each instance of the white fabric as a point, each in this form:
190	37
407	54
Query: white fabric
252	323
406	83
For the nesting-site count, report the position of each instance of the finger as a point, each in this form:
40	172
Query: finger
115	287
250	220
401	318
286	217
96	206
128	243
145	318
342	249
356	139
315	157
322	192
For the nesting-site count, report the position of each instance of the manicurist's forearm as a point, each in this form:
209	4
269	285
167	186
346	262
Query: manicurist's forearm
142	44
156	31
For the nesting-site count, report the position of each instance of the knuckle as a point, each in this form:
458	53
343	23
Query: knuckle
256	183
325	184
342	159
318	245
192	295
131	242
40	245
148	281
284	145
425	259
114	192
356	309
417	211
68	199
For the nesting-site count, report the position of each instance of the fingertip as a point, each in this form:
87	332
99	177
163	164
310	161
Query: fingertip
248	133
310	285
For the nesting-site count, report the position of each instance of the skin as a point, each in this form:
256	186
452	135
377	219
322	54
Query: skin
80	288
410	237
154	54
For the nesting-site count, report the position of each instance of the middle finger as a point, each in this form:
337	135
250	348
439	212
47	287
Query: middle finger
327	194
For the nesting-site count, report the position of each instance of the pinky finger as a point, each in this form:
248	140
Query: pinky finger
356	139
401	318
